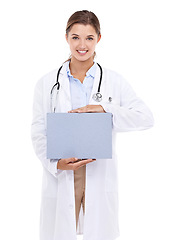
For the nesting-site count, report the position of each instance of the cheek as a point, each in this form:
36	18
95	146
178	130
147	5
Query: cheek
72	45
92	46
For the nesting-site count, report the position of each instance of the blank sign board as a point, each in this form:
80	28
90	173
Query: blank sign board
80	135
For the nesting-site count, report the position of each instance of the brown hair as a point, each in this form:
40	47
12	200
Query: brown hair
84	17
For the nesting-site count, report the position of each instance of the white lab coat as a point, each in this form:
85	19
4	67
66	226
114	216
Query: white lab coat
57	221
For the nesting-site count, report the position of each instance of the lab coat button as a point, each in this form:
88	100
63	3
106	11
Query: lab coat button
110	99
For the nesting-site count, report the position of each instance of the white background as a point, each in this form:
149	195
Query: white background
139	40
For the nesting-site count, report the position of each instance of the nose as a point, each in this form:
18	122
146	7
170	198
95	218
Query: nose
82	44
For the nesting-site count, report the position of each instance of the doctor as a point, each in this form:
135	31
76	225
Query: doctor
82	196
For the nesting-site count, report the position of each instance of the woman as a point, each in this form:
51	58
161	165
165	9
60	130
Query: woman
83	195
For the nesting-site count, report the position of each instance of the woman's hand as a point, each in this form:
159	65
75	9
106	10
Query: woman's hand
89	109
72	163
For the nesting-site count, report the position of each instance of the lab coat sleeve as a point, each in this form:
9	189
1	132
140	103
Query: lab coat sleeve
129	112
38	131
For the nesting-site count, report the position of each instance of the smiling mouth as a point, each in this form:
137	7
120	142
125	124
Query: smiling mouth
82	52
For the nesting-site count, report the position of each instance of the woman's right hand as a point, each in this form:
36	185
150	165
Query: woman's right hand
72	163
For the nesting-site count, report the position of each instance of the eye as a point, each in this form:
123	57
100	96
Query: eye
90	38
75	38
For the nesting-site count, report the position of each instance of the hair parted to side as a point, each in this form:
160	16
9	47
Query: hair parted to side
84	17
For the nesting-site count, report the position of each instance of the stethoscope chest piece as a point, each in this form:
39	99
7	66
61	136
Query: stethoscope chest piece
97	97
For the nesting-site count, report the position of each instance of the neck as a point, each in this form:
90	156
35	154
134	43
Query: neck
79	66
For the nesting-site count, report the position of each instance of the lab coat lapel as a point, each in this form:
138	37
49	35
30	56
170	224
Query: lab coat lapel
64	94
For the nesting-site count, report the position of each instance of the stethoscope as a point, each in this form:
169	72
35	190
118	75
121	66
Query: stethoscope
96	96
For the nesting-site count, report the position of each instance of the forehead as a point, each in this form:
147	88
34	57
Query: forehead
81	29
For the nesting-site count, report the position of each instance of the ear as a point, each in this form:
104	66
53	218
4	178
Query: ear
99	38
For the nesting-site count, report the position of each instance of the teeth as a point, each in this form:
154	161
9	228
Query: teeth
82	51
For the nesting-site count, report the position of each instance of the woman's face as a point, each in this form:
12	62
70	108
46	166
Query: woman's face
82	40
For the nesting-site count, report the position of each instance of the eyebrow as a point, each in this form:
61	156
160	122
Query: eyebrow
74	34
90	36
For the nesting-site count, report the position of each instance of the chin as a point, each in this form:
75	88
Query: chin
84	58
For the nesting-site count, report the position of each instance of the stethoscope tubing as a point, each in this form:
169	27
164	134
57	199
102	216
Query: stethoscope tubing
57	82
101	75
97	96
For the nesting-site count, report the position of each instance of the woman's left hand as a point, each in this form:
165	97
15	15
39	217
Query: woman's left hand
89	109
